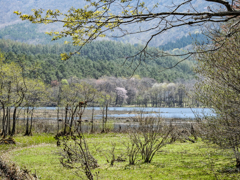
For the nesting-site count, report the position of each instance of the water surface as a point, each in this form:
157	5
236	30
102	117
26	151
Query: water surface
152	111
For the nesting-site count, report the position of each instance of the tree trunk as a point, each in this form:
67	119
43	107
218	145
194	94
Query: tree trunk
65	124
7	118
238	164
72	117
103	129
58	104
57	120
4	123
27	124
237	156
3	120
9	121
14	121
30	130
106	116
92	119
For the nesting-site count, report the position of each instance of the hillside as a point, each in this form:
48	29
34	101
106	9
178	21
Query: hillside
184	41
28	33
25	6
101	58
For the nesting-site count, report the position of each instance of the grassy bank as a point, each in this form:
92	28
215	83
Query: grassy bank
175	161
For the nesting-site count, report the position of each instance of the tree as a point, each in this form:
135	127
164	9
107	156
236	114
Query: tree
99	18
74	97
103	101
219	88
149	137
15	91
121	95
12	93
35	94
131	94
75	154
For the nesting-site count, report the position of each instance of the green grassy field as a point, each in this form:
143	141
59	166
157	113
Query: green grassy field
175	161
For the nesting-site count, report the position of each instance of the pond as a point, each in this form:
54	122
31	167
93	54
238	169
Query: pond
162	112
152	112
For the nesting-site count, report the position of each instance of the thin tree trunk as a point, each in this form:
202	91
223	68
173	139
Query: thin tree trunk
58	120
72	117
24	115
58	104
6	122
14	121
65	124
27	124
80	121
9	121
3	120
92	119
106	116
30	131
103	130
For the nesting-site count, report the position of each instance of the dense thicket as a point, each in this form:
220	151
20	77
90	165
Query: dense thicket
219	88
96	60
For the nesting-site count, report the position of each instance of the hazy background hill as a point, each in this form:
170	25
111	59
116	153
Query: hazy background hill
29	33
25	6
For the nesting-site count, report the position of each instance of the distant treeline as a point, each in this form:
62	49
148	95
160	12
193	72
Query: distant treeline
183	42
102	58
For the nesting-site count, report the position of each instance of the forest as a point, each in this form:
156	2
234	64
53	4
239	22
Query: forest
103	58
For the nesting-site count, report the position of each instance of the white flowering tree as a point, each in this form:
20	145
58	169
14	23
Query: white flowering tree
121	95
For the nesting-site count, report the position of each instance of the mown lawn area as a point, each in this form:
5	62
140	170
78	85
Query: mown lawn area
175	161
